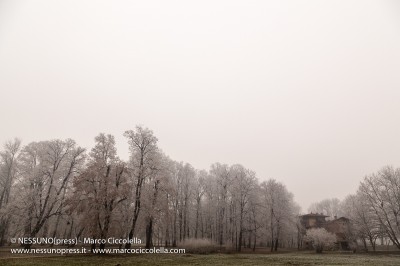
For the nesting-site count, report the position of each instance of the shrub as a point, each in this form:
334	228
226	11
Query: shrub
198	246
320	239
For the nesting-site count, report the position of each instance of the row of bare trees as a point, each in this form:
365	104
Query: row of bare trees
57	189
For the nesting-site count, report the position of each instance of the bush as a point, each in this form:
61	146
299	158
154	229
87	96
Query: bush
320	239
198	246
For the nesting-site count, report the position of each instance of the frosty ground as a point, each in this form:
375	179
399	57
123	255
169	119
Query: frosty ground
291	258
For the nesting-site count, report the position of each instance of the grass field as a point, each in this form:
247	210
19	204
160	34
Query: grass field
294	258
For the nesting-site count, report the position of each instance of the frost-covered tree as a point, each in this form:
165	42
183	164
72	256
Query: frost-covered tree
365	224
199	191
52	188
143	163
223	180
156	188
46	169
100	188
8	173
381	191
279	211
320	239
243	184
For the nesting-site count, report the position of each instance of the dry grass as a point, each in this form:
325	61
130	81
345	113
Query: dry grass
198	246
261	257
295	258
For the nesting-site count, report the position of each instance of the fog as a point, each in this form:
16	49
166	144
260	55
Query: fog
304	92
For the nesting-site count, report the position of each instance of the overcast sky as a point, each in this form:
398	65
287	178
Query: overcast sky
306	92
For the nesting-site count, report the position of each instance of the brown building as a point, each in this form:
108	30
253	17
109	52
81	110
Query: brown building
313	220
341	227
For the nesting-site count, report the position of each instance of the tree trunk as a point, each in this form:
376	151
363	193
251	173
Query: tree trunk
365	244
277	237
136	212
240	241
149	233
197	218
255	240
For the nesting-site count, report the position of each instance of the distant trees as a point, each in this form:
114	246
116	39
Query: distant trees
320	239
55	189
329	207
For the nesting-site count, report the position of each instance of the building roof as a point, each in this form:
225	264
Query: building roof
314	215
341	218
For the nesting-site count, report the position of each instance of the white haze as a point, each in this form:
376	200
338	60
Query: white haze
306	92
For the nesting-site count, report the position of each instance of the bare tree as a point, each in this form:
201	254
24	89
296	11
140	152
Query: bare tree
101	187
244	182
223	179
211	208
199	190
157	185
382	191
255	217
365	224
46	169
143	148
279	210
8	172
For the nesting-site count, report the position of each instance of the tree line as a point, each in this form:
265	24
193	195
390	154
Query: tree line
56	188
